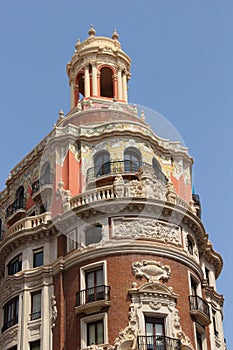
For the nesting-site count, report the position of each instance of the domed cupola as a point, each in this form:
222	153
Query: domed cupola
99	69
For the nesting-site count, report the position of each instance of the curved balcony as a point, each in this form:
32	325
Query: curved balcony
9	324
158	342
92	299
122	167
28	223
199	309
42	187
16	210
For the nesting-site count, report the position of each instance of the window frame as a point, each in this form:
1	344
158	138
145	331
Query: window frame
97	227
129	164
7	323
91	319
17	259
104	168
35	315
35	252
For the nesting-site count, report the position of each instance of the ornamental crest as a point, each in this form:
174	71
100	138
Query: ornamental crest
153	271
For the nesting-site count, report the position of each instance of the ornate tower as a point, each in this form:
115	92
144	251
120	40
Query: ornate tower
102	244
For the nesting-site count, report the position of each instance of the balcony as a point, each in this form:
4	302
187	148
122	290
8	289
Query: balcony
42	187
9	324
125	167
16	211
92	299
158	342
199	309
29	223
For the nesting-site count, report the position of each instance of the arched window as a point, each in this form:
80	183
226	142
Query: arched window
158	170
190	245
46	174
80	86
132	160
102	163
93	234
106	82
19	198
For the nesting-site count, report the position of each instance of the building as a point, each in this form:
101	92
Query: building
102	243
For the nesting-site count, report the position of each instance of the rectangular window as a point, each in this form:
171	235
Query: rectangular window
35	345
38	257
11	310
93	235
155	333
214	323
94	285
95	332
15	265
36	305
207	271
199	341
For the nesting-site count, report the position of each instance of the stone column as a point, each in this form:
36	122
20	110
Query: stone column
114	83
124	87
87	81
46	318
72	94
119	84
94	80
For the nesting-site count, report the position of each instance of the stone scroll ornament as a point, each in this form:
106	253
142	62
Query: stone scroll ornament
153	271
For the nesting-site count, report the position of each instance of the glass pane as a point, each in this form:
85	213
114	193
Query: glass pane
38	259
100	333
159	329
90	280
149	329
99	277
36	302
91	334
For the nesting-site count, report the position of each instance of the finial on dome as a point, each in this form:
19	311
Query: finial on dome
115	35
77	43
91	31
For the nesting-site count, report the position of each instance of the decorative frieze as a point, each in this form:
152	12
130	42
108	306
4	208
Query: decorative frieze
147	228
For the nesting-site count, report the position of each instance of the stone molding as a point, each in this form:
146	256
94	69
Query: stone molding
153	271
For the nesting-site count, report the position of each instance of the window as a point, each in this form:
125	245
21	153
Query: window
95	333
199	341
19	198
1	230
35	345
158	171
94	330
38	257
46	176
106	83
36	305
132	160
207	274
102	163
93	235
10	310
190	245
15	265
214	322
94	285
155	333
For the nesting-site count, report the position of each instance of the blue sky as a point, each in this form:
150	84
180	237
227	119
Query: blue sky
182	67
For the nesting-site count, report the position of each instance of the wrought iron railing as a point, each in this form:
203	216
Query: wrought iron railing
9	324
45	179
120	167
158	342
19	203
90	295
198	304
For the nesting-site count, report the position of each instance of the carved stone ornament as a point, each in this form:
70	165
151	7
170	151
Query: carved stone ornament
152	229
178	332
127	338
54	311
153	271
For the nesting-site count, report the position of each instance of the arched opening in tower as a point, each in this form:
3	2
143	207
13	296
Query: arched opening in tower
106	83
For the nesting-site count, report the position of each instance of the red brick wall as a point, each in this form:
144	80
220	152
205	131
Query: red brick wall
120	278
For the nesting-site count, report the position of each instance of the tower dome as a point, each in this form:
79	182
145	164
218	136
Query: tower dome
99	69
